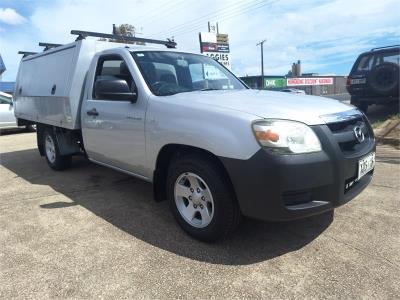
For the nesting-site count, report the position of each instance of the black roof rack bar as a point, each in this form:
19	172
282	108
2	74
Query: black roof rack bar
48	46
83	34
393	46
26	53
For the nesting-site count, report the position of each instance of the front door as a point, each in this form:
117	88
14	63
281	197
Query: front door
113	129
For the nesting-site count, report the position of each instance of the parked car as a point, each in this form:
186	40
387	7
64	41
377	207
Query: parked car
374	78
214	149
294	91
7	118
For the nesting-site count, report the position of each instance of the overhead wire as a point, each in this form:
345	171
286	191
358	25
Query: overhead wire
224	16
167	6
205	16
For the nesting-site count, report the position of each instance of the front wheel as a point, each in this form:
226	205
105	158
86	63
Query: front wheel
201	198
54	159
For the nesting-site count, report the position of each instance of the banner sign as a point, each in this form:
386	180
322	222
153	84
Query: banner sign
310	81
210	47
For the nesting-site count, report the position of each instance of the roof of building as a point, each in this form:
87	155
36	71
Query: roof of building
7	86
2	66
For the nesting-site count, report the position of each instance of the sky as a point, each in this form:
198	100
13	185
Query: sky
326	36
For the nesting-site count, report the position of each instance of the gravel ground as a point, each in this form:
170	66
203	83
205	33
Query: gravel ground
92	232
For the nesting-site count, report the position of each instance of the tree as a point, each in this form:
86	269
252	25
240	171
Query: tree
127	30
124	30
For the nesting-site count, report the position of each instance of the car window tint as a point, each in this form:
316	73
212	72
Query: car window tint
111	67
365	63
392	58
196	72
165	72
168	73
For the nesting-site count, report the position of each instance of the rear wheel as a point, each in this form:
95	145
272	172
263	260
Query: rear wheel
54	159
31	128
201	198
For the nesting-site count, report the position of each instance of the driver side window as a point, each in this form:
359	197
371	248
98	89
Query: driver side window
110	68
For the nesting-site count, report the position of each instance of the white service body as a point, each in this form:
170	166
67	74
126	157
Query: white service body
64	68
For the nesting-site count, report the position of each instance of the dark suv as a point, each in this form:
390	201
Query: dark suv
374	78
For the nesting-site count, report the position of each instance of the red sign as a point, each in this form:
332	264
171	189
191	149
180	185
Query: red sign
212	47
310	81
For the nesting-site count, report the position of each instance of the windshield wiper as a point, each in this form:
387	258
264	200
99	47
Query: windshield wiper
210	89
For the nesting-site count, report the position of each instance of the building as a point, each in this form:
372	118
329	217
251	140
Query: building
5	86
2	67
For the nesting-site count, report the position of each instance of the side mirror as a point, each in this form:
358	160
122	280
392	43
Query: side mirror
114	89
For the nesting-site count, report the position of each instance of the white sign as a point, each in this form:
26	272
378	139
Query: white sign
212	73
213	27
310	81
208	37
223	58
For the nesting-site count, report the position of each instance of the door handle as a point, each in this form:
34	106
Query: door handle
92	112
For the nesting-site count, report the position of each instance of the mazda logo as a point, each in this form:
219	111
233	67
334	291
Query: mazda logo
359	134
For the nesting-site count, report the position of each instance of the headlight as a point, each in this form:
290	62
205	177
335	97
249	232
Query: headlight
286	136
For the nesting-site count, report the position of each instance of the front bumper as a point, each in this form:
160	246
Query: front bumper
276	187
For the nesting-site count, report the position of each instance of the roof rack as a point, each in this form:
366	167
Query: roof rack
48	46
393	46
83	34
26	53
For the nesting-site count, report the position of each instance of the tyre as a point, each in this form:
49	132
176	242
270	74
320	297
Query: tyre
52	153
201	198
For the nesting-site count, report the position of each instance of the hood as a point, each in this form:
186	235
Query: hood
268	104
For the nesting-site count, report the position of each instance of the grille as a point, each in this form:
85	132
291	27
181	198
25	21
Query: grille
344	134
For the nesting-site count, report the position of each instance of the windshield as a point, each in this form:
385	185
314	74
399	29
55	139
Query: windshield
169	73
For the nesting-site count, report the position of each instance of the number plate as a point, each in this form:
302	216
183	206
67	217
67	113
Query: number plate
366	164
358	81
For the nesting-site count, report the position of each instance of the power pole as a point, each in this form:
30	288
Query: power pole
262	61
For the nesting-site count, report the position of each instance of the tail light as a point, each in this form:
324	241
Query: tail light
348	83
